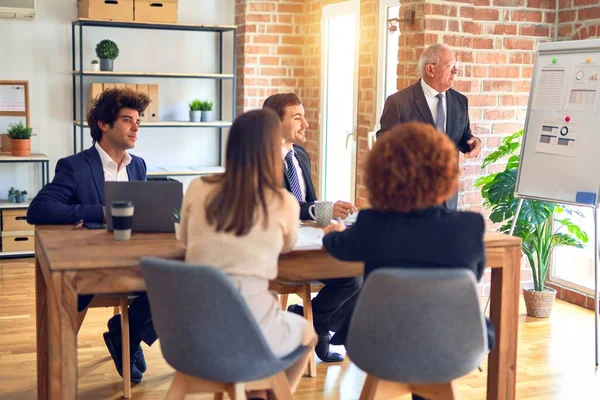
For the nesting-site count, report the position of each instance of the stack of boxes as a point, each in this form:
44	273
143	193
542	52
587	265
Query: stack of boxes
17	234
151	113
164	11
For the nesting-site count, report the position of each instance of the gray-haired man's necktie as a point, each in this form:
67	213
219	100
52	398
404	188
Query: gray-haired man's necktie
441	114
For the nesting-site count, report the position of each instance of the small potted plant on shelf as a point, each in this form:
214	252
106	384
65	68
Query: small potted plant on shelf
24	195
107	51
95	65
12	195
207	113
196	110
20	139
177	220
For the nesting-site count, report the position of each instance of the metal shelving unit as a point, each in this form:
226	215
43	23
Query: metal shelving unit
79	74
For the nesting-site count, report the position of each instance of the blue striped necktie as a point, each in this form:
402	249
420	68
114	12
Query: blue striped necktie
292	176
441	115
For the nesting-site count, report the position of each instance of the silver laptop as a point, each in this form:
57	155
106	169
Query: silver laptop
154	203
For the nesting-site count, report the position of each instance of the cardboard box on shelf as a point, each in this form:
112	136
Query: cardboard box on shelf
115	10
164	11
95	90
153	108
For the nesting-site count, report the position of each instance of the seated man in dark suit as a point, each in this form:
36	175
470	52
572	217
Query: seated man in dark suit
337	298
432	100
76	194
410	172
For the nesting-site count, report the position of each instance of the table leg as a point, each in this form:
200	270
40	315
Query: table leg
504	313
69	324
41	331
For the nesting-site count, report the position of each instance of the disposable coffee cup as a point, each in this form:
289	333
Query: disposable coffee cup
122	219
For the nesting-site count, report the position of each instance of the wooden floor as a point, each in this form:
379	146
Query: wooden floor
555	361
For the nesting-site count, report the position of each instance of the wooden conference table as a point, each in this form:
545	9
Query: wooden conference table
71	262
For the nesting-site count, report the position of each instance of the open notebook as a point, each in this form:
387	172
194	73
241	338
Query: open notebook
309	238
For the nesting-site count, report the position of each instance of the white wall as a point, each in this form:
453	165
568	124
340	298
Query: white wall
39	51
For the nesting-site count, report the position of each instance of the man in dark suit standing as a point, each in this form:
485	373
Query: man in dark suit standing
336	300
432	100
76	194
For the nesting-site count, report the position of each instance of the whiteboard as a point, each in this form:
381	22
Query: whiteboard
560	154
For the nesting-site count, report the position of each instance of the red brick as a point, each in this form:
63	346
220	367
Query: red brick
518	44
567	16
501	29
526	16
453	26
439	9
482	3
497	86
481	43
514	100
504	72
474	28
581	3
491	58
510	3
279	28
485	14
457	41
534	30
261	39
435	24
476	100
262	6
499	114
289	50
466	12
523	86
545	4
527	72
290	8
258	18
588	13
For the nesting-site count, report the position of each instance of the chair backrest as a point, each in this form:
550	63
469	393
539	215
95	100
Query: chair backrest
418	325
204	325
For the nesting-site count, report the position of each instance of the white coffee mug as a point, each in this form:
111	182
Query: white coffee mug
323	212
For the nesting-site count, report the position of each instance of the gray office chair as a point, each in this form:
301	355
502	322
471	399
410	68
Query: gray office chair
208	334
415	331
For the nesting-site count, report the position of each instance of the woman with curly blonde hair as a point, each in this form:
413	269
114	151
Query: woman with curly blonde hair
410	173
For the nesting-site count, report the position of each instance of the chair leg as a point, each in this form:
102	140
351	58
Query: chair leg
304	293
440	391
284	301
178	388
236	391
125	347
379	389
280	387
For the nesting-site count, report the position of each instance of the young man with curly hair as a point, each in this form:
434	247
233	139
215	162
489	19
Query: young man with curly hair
410	173
77	194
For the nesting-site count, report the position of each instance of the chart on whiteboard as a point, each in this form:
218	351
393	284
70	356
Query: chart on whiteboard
583	89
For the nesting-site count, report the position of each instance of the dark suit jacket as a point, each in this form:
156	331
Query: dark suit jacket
430	238
409	104
311	197
77	190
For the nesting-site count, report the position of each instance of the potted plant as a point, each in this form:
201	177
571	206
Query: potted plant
207	113
20	139
95	65
196	110
24	195
12	195
107	51
542	226
177	219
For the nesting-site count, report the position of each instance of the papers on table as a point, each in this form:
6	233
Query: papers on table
309	238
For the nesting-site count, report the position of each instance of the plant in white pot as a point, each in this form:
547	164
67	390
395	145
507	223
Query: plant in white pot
196	110
207	111
95	65
20	139
107	51
539	224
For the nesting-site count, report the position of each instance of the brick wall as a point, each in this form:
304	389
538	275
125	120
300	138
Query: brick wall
578	19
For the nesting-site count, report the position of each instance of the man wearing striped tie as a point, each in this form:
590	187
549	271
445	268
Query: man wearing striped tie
432	100
336	300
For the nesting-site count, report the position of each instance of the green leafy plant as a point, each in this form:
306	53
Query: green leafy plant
107	49
538	224
196	105
19	131
11	191
95	62
207	106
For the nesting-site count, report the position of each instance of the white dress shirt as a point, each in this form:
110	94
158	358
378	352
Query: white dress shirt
112	173
284	151
433	101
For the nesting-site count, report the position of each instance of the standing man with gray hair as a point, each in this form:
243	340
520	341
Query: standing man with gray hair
432	100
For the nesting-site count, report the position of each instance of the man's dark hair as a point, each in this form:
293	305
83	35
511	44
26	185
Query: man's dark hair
107	106
278	102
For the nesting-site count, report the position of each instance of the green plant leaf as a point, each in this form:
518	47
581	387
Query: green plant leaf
107	49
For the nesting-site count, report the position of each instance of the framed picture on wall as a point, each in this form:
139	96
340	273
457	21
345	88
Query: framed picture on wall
14	107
